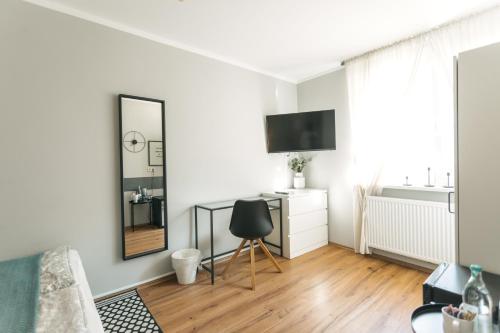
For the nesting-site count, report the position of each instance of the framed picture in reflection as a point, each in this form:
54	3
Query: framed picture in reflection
155	150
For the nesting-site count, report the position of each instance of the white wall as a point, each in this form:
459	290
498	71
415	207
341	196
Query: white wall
331	169
60	77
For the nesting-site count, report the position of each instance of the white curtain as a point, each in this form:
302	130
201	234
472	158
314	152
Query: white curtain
401	105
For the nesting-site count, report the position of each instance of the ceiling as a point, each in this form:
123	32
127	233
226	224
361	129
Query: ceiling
290	39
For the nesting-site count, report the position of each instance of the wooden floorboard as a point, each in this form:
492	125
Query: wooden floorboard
144	238
327	290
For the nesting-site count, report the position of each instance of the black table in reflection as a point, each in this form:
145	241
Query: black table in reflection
155	210
140	202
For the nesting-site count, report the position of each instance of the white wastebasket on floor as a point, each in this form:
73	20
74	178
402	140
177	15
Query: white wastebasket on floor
185	263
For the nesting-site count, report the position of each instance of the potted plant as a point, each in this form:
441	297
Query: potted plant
297	164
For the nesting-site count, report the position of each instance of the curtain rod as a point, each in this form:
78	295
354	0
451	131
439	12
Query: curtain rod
418	35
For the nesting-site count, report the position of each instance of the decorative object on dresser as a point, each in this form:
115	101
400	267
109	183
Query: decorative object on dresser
305	220
142	176
297	165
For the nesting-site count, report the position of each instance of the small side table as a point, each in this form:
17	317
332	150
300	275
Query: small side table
140	202
447	282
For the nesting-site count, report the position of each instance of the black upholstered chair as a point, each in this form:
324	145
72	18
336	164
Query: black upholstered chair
251	221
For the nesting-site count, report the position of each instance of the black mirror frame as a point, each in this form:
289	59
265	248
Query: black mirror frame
120	134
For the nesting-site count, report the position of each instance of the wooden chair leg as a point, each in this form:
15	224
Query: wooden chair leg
252	264
235	255
269	255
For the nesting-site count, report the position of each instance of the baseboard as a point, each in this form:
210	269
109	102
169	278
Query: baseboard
133	286
403	261
224	257
342	246
396	259
308	249
153	280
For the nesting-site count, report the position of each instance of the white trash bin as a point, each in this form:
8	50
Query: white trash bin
185	263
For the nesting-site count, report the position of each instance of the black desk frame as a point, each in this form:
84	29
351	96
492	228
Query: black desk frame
132	211
213	256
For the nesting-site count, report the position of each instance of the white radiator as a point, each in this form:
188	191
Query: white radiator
423	230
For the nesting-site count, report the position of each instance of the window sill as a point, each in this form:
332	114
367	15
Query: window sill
421	188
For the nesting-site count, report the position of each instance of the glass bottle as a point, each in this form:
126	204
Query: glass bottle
476	298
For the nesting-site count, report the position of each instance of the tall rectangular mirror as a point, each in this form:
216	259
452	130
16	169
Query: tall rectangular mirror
143	176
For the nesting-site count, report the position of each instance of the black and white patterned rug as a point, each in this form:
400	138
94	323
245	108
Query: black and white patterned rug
126	313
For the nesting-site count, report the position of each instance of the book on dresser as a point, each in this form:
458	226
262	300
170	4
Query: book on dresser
305	221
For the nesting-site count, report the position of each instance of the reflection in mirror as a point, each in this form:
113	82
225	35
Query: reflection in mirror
143	181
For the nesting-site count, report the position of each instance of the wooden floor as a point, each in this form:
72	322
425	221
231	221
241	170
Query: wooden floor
328	290
145	238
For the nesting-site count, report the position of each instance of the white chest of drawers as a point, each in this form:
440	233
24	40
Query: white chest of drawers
305	221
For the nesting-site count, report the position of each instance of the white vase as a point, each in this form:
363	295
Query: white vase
299	181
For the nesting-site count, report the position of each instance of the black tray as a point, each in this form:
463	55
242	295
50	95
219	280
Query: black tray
428	318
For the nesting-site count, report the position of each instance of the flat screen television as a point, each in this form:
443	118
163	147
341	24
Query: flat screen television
302	131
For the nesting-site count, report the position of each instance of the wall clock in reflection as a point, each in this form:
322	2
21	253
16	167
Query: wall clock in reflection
134	141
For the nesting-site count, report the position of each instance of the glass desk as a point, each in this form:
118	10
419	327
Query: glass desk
274	204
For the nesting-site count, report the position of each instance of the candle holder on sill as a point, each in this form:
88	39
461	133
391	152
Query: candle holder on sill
448	182
406	183
429	178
